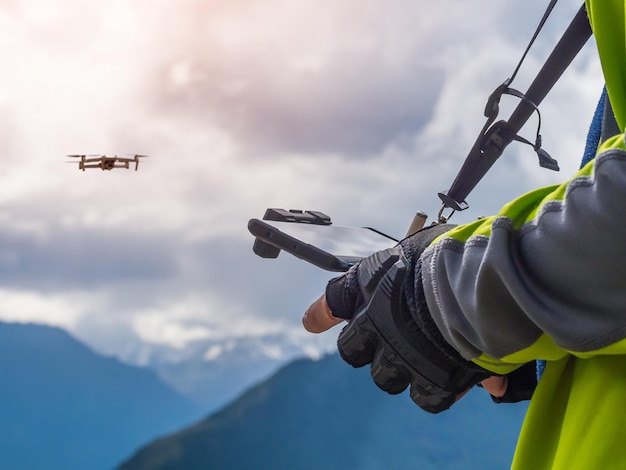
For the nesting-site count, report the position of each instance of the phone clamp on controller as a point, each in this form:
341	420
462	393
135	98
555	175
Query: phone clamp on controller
264	249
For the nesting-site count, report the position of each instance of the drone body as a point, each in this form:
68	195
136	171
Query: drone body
107	163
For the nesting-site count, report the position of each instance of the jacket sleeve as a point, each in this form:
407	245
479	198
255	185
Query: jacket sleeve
544	278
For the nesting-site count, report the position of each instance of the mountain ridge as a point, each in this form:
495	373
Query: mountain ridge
64	406
324	414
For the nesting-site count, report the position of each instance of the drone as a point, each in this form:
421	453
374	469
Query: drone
106	163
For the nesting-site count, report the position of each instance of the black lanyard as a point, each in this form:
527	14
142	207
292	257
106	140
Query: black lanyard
496	136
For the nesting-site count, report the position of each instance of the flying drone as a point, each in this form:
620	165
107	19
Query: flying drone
107	163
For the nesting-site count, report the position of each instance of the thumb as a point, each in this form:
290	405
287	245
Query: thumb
495	385
318	317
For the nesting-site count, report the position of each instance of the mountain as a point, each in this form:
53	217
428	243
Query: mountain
64	407
324	414
213	372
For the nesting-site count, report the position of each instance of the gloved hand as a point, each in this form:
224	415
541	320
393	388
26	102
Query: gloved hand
389	327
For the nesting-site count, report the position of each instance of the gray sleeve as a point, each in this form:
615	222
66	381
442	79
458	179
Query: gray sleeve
563	273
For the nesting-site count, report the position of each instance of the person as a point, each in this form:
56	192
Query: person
544	279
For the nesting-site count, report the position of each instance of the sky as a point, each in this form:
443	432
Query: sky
361	109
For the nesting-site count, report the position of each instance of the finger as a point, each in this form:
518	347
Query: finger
318	317
496	385
392	378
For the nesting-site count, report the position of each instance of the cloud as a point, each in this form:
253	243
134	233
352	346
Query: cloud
27	305
363	110
350	79
67	259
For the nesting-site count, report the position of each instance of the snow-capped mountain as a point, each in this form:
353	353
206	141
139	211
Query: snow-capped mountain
211	373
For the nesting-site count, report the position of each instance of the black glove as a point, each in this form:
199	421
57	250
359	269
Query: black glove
391	329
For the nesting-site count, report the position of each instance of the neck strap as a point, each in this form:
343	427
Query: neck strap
496	136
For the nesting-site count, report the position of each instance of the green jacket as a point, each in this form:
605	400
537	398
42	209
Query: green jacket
546	279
